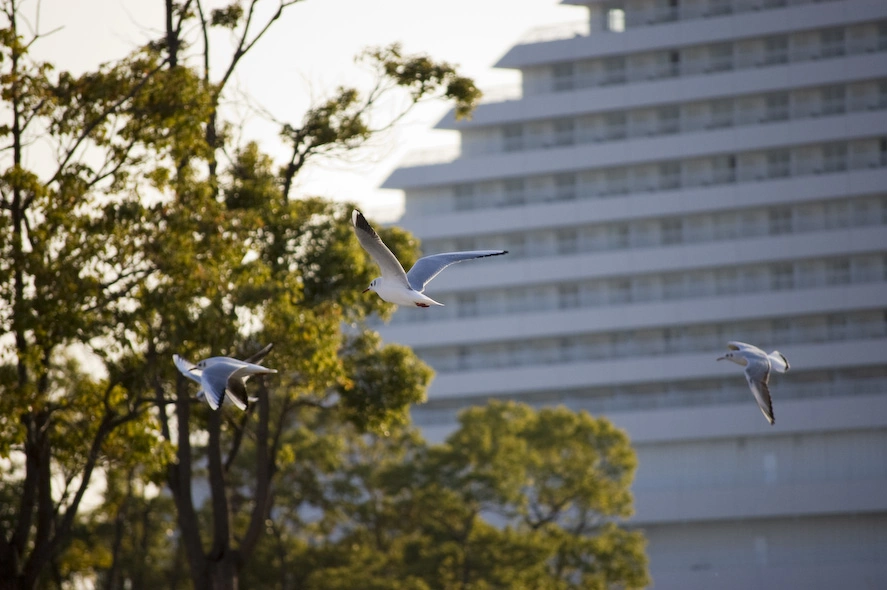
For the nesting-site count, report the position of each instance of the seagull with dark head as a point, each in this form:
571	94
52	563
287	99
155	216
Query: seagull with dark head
406	288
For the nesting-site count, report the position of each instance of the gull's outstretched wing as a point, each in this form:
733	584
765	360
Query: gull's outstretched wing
376	248
428	267
734	345
236	387
757	373
187	368
215	379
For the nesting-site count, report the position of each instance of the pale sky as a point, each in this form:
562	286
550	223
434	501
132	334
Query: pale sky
309	52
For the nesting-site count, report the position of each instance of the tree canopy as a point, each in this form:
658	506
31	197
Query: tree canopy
132	227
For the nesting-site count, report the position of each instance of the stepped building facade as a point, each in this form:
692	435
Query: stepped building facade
676	174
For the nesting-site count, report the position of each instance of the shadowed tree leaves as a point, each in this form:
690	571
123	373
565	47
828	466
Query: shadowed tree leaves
485	509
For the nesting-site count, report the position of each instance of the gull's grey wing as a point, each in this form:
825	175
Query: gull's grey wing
757	373
236	393
428	267
376	248
215	379
734	345
187	368
236	388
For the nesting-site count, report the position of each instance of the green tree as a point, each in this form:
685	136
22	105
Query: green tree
135	238
515	498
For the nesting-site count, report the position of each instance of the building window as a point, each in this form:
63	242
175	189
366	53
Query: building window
614	69
669	119
565	187
777	106
568	296
672	231
782	277
463	195
833	100
567	241
669	175
466	305
562	76
780	221
615	125
776	50
515	193
721	114
834	157
564	131
513	138
778	164
831	42
616	20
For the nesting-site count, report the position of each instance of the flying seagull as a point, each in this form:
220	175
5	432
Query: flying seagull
406	288
757	365
223	376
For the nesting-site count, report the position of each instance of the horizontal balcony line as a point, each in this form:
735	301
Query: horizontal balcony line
623	155
628	263
836	497
648	315
642	369
841	405
517	108
675	129
540	214
692	32
724	402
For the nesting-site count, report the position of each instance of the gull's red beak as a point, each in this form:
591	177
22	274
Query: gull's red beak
722	358
365	290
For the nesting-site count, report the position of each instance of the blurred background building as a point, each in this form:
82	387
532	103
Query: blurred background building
674	174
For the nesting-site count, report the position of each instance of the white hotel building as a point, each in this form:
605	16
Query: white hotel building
674	175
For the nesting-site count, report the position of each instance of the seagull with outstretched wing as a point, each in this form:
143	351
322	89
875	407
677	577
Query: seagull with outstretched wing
757	365
223	376
406	288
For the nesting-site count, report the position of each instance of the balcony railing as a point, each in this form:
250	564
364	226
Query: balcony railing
621	398
795	277
681	124
868	325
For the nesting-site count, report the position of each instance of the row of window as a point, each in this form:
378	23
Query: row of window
678	118
671	231
803	330
751	166
648	288
659	395
833	42
620	16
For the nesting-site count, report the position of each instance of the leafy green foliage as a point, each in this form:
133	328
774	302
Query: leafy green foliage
151	233
485	509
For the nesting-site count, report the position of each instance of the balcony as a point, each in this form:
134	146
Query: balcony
642	369
621	401
675	120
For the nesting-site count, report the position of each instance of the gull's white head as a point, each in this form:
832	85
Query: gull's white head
735	358
374	285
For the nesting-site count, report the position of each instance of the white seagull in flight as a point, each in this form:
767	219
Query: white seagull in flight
406	288
223	376
757	365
